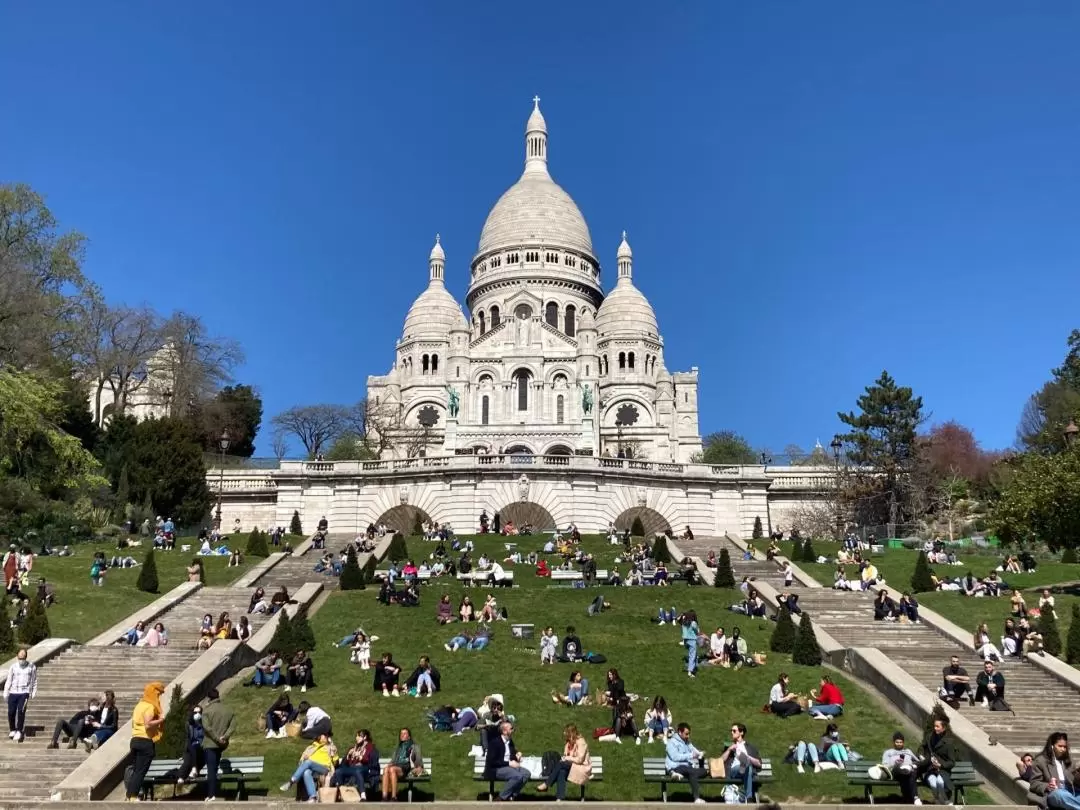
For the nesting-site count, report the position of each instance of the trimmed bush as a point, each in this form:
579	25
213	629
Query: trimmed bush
35	627
256	544
660	552
303	635
369	569
7	635
1048	626
725	575
148	578
1072	643
637	528
1069	556
284	640
758	531
174	736
397	550
352	577
295	526
808	553
796	550
806	652
920	579
418	526
783	637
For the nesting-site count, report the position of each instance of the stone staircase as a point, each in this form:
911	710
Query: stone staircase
184	621
759	568
1041	702
28	770
296	570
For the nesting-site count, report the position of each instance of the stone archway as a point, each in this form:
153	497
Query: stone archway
522	512
653	522
403	518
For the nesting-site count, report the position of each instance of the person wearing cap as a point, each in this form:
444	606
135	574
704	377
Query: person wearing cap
901	762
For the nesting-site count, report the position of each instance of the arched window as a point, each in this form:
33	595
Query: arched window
551	314
424	364
559	409
571	327
630	360
494	317
483	322
622	361
522	390
484	409
435	363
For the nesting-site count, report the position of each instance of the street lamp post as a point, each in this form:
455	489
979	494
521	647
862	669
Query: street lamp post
1070	433
837	446
223	442
766	460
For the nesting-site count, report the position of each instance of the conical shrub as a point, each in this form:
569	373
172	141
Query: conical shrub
758	532
7	634
920	578
637	528
783	636
256	544
1048	627
806	652
796	550
352	578
1072	644
1069	556
303	635
148	578
35	627
725	575
295	526
284	641
660	552
808	553
174	735
398	550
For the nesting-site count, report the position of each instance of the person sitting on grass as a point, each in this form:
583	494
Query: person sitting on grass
574	766
425	679
359	766
1017	605
625	724
827	701
955	683
660	576
658	719
683	761
466	639
755	605
783	702
549	645
736	648
258	603
884	607
833	749
361	649
316	721
490	611
902	764
75	729
718	653
387	674
316	761
268	670
300	672
466	610
406	760
1046	603
280	713
577	690
444	613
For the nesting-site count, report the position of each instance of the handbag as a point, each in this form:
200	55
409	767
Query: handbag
292	729
348	794
328	795
717	768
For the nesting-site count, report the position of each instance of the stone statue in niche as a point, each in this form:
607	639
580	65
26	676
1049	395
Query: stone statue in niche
586	398
453	402
403	493
523	488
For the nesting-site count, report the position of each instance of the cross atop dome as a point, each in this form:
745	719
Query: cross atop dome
536	102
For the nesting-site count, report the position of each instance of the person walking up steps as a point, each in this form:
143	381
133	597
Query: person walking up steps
19	689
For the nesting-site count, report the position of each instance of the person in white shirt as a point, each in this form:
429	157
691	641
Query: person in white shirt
316	722
789	575
549	643
718	647
19	689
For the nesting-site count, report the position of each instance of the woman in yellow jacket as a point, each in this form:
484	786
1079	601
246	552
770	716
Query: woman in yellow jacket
147	726
317	760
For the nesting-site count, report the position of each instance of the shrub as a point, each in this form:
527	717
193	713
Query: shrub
1072	644
758	531
660	552
637	528
920	579
284	640
7	635
352	577
256	544
174	736
806	652
1069	556
397	550
783	637
302	634
35	627
1048	626
294	525
796	550
417	526
808	553
148	578
725	575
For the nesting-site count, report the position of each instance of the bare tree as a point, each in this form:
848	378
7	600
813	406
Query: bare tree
280	444
192	364
314	425
816	518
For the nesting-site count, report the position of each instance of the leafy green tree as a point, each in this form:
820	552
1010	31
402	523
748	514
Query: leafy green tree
1048	627
7	635
294	524
1072	643
398	550
637	528
882	440
727	447
757	532
35	626
237	409
352	577
660	550
725	575
1043	421
1069	556
806	652
174	734
349	446
1040	501
256	544
920	579
808	553
783	635
148	576
123	494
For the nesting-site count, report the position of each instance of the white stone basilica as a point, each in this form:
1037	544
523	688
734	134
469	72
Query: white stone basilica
546	364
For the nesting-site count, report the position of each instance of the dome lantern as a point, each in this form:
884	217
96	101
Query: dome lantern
436	262
536	141
625	258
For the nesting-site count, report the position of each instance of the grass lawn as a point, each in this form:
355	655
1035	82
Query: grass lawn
83	610
649	658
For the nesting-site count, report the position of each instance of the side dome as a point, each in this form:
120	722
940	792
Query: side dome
626	311
433	314
535	210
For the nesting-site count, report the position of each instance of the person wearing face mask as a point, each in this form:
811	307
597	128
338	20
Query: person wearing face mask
219	725
19	689
77	728
194	757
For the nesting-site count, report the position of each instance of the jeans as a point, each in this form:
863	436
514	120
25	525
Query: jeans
351	775
478	644
657	727
102	734
424	681
1063	799
558	778
737	769
691	661
667	616
16	711
75	732
457	642
266	679
307	771
828	709
577	691
691	775
213	760
804	751
936	782
142	750
515	779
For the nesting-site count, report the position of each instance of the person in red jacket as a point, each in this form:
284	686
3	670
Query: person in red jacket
542	569
827	701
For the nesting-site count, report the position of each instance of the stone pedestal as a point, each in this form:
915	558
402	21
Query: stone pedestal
588	440
450	436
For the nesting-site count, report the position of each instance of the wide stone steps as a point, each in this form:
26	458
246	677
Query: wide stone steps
297	570
758	569
184	621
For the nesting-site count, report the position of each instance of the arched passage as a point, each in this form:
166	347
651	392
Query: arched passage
522	512
653	522
403	518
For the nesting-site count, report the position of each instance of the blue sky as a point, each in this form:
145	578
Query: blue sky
813	191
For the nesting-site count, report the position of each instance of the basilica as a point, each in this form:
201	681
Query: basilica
545	363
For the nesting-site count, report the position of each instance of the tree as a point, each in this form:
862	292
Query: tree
418	526
806	652
397	550
117	348
7	635
237	409
1048	627
348	447
352	578
920	579
783	635
1072	642
256	544
727	447
174	736
882	444
808	553
123	493
725	575
1040	501
280	444
284	640
315	426
303	635
35	626
796	550
191	366
148	576
1069	556
660	551
294	524
637	528
758	532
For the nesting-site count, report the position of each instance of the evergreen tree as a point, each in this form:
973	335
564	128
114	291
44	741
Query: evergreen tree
660	551
303	635
148	578
284	641
808	553
256	544
123	494
725	576
796	550
758	532
920	579
7	634
294	524
783	636
397	550
35	627
637	528
174	735
806	652
1072	646
1069	556
417	526
352	577
1048	626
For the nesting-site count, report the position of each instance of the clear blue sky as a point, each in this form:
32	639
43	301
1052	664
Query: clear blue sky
813	191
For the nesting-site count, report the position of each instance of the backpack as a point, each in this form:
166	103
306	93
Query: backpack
595	658
439	720
549	762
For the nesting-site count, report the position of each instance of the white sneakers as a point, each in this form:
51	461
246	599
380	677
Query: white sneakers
271	735
287	688
303	689
699	801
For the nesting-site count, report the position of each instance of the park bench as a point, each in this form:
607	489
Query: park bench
478	776
480	577
574	576
963	776
232	770
656	771
408	779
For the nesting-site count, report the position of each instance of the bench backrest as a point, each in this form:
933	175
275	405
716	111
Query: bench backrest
248	765
654	767
566	574
597	767
962	770
384	762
